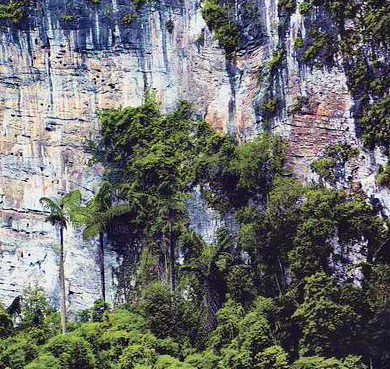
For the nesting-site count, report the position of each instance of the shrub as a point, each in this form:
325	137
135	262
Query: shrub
44	361
305	7
5	322
225	29
129	18
277	59
273	357
204	360
169	362
137	354
298	42
14	11
163	311
98	310
18	353
72	351
383	177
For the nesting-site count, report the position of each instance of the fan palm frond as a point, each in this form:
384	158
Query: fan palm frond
91	230
117	211
56	216
50	205
72	199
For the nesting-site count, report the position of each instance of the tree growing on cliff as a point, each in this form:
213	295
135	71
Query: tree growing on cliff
99	214
63	211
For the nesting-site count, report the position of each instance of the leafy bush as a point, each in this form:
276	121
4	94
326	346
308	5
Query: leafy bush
273	357
44	361
72	351
203	360
14	11
305	7
5	322
169	362
137	354
225	29
163	311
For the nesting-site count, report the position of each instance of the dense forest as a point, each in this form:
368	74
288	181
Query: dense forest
299	280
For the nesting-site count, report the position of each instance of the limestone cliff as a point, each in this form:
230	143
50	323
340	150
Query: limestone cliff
71	58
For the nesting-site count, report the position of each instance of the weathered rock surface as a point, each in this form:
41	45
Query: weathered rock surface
75	58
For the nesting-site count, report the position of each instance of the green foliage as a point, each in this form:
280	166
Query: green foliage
301	102
99	307
140	3
278	289
163	311
169	362
14	11
72	351
225	29
5	323
268	236
239	284
321	42
298	42
44	361
137	354
305	7
327	324
203	360
229	317
288	5
317	362
35	308
364	69
270	108
277	59
16	352
375	120
200	38
237	174
330	166
129	18
69	17
64	210
273	357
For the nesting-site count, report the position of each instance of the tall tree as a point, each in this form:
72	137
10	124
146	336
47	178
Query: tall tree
99	213
61	212
96	224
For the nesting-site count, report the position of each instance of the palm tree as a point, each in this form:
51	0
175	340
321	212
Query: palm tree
96	223
209	265
99	214
61	212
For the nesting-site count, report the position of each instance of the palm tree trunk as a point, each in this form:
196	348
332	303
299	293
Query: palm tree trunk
172	258
62	282
101	262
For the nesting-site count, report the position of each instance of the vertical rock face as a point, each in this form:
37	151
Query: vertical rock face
74	58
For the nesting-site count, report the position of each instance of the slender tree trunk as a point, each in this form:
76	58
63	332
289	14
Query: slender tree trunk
165	250
62	282
172	258
101	262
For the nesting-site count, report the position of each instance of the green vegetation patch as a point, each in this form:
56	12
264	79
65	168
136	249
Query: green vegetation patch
14	11
218	18
334	158
383	177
